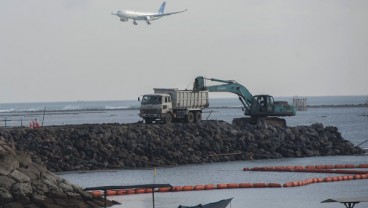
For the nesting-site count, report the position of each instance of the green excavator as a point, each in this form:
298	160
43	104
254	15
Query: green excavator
261	109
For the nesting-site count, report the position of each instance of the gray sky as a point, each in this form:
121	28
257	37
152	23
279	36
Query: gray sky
66	50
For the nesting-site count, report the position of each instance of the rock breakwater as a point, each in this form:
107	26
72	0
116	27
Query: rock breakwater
25	184
109	146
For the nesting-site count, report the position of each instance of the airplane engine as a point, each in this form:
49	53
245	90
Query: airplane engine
123	19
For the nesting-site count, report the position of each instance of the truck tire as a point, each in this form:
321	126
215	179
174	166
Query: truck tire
190	117
148	120
198	116
168	118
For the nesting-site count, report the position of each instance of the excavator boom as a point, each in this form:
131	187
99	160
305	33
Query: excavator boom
230	86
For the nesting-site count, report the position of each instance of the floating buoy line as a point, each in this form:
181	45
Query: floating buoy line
349	171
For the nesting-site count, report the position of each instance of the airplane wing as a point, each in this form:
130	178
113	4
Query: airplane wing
167	14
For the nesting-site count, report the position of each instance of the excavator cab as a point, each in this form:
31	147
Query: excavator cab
262	105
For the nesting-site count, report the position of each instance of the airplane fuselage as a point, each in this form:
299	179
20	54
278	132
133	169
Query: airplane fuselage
125	15
135	15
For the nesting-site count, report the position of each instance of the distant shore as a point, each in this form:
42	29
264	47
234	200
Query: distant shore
339	106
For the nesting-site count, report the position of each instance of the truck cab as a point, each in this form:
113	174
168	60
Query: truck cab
156	106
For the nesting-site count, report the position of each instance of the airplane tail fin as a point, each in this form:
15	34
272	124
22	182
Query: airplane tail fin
162	8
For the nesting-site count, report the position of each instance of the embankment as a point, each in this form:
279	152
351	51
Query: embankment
109	146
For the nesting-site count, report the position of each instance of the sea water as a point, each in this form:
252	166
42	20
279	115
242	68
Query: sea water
352	122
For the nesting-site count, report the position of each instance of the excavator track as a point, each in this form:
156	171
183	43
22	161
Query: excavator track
272	121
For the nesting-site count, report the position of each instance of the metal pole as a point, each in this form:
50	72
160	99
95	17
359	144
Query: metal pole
209	114
153	197
105	197
43	117
362	143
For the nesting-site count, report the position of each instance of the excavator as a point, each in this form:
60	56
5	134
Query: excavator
261	109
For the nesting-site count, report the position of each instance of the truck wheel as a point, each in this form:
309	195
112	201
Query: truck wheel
190	117
168	118
148	120
198	116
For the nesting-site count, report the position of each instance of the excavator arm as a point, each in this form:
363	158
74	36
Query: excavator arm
231	86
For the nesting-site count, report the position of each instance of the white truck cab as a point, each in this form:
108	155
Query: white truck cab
169	105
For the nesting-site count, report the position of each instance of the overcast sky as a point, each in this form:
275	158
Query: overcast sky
67	50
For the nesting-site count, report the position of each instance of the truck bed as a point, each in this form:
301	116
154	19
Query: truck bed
185	98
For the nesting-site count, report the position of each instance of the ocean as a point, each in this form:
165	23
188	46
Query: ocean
352	122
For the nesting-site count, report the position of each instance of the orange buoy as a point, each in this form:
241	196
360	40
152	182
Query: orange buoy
245	185
164	189
350	177
187	188
310	167
298	167
289	168
110	192
363	176
221	186
148	190
209	187
96	193
328	179
357	177
320	167
349	166
232	185
259	185
288	184
295	183
130	191
363	166
329	166
121	192
198	187
274	185
271	168
339	166
140	191
255	169
177	188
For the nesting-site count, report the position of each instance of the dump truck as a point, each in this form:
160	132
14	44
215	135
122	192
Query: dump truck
172	105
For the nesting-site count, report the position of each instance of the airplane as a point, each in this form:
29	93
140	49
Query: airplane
125	15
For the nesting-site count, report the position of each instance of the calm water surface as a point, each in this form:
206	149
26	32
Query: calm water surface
305	196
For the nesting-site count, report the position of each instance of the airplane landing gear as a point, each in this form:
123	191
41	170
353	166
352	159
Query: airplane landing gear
135	23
